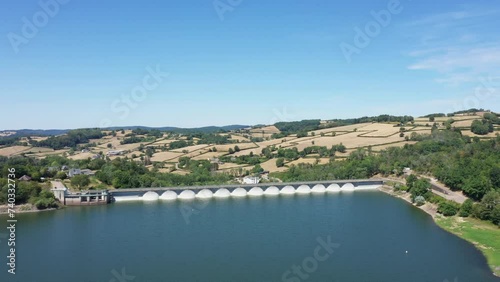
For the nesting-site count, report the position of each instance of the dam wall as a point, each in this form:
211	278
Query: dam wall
239	191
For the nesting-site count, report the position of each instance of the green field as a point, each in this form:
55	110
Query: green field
484	235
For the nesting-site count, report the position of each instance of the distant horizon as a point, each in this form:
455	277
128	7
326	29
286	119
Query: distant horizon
225	125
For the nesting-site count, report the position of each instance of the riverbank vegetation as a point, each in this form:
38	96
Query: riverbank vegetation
28	192
463	164
482	234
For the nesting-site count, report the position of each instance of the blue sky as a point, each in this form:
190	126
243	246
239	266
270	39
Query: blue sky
89	63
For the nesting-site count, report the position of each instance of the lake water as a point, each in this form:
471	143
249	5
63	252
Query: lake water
360	236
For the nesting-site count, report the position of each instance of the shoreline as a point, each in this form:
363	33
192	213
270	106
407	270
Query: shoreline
431	209
25	208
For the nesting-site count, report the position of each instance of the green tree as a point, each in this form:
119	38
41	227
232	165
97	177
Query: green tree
420	188
476	187
61	175
410	180
80	181
481	127
466	208
257	169
489	207
495	177
448	208
280	162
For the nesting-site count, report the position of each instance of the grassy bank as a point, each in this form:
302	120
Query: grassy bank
484	235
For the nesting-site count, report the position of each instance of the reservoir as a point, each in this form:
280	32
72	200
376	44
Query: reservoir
357	236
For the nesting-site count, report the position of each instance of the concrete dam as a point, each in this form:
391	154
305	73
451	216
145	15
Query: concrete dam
238	191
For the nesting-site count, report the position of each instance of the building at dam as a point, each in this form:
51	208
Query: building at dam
88	198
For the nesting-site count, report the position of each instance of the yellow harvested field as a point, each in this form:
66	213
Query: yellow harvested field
48	153
443	119
240	138
270	165
308	161
468	116
136	153
359	127
256	151
350	140
191	148
39	138
119	134
424	123
165	156
380	129
162	142
40	150
226	147
9	151
462	123
275	141
197	153
260	135
271	142
243	167
268	129
103	143
129	147
208	155
420	129
230	165
81	156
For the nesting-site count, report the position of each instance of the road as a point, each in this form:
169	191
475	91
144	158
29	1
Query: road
439	189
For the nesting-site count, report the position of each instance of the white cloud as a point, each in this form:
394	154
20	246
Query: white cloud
457	46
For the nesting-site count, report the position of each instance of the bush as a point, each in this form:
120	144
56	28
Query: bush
488	208
419	200
45	203
61	175
400	187
448	208
466	208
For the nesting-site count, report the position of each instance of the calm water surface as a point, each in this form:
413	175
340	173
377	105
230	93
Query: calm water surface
250	239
